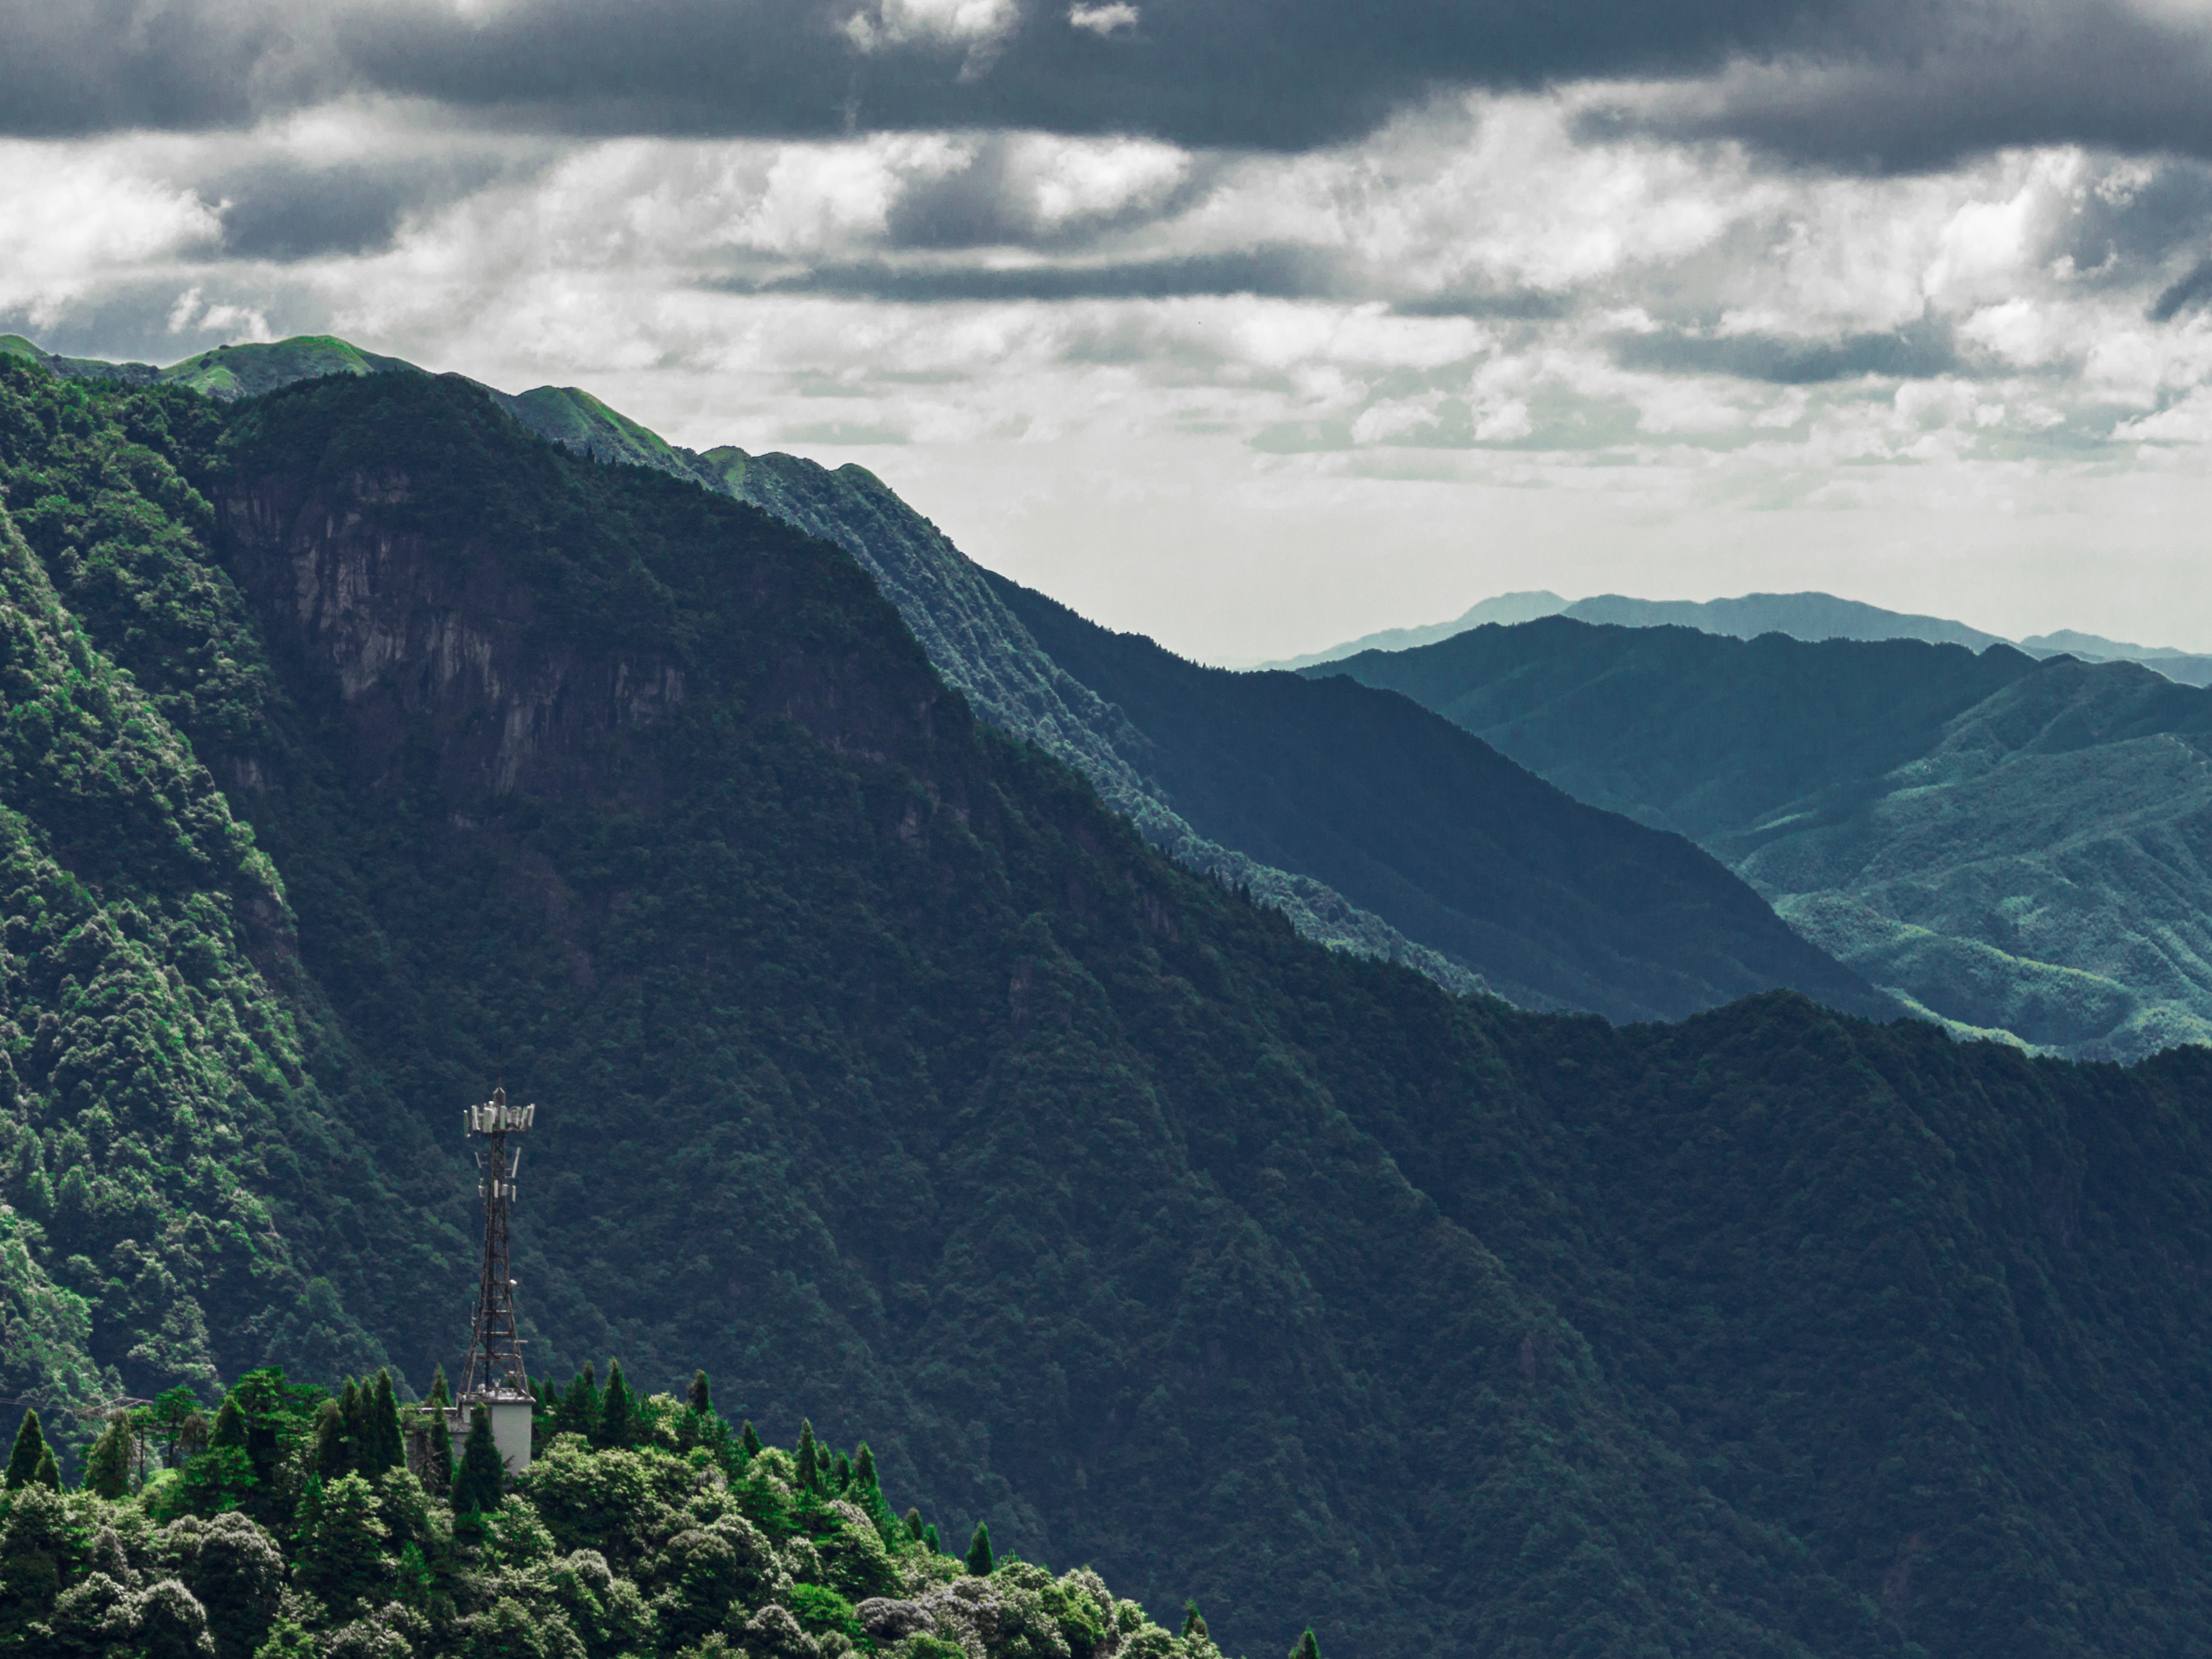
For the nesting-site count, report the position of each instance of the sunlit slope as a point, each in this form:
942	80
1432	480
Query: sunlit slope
2013	846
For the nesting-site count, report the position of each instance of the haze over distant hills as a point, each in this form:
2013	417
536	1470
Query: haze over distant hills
1812	616
2013	846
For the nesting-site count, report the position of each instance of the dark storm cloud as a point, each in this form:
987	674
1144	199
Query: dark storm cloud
1923	350
97	65
2183	292
1268	272
1898	86
1522	304
1237	73
1862	84
991	202
285	210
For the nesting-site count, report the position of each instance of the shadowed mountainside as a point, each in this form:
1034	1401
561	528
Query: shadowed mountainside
1562	904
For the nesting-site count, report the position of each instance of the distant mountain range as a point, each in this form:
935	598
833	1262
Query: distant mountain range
2015	846
1371	824
1811	617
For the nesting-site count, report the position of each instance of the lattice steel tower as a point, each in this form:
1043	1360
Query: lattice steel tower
493	1372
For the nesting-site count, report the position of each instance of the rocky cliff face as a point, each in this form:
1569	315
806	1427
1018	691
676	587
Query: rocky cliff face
468	653
441	644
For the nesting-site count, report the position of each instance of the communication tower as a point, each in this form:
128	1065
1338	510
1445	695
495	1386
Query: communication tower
492	1376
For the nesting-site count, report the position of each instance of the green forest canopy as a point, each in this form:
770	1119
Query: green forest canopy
892	1077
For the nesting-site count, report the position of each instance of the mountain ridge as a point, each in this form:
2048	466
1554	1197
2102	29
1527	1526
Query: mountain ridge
902	1084
1812	616
2009	845
960	614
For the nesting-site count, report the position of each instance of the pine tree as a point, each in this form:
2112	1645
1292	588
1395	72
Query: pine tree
929	1537
107	1465
617	1406
700	1394
863	1468
229	1426
979	1552
481	1480
440	1393
327	1458
809	1474
385	1450
355	1408
1307	1648
840	1476
439	1475
913	1525
1193	1623
171	1411
48	1472
750	1441
30	1446
579	1407
340	1559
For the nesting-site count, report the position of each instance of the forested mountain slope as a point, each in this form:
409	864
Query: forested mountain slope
1719	941
1560	904
2013	845
890	1076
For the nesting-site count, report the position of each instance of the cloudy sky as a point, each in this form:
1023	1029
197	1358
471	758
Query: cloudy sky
1252	326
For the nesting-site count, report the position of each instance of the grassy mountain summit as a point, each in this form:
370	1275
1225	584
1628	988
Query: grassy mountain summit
894	1078
2013	846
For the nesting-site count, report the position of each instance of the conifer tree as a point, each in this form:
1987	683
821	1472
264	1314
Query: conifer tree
1307	1648
440	1393
809	1474
1193	1624
48	1472
750	1441
863	1468
229	1427
354	1407
617	1408
481	1480
979	1552
107	1465
913	1525
385	1450
840	1475
579	1407
30	1446
700	1394
327	1458
169	1414
440	1475
929	1537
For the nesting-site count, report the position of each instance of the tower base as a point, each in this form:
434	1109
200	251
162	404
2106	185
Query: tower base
510	1425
